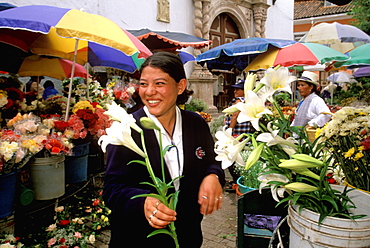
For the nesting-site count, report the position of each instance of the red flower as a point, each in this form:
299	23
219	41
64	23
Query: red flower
330	178
64	222
366	143
96	202
62	240
61	125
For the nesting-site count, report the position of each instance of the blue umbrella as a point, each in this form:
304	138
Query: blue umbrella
238	53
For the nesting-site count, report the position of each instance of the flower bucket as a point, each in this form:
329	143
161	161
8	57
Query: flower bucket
333	232
48	177
76	165
7	193
242	188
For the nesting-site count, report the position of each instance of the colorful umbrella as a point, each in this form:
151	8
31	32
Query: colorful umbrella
338	36
97	55
296	54
238	53
52	67
359	57
69	24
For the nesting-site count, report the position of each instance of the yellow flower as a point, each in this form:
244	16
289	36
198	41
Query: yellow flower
349	153
358	156
82	105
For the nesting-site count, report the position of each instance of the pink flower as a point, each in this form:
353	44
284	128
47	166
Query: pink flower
77	235
51	242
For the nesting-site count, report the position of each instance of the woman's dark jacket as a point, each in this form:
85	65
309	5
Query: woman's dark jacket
129	227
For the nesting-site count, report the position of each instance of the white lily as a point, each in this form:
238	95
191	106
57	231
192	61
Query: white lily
278	80
289	145
228	148
120	134
117	113
252	110
275	190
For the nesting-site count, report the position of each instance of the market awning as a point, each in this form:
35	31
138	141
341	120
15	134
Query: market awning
162	40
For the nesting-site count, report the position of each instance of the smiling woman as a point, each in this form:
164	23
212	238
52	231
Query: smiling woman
131	188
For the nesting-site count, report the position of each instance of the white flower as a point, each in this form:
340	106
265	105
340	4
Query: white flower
228	148
278	80
275	190
119	134
289	145
252	110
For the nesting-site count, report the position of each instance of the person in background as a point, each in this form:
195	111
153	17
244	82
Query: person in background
237	128
163	85
49	90
312	110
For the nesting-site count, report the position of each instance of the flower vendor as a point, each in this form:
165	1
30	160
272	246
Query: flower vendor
312	109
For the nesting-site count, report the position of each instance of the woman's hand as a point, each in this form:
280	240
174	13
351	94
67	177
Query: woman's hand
210	195
157	214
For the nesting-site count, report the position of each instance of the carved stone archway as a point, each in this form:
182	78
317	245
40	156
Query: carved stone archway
249	17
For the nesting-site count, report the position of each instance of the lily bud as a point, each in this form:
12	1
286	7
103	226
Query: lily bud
308	173
300	187
295	164
148	123
230	110
250	81
308	158
254	156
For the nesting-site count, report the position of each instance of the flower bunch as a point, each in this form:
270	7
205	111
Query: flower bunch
99	94
67	232
123	92
347	136
296	168
37	137
120	134
99	213
9	241
87	118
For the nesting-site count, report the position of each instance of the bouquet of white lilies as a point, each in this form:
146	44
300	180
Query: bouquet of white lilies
296	169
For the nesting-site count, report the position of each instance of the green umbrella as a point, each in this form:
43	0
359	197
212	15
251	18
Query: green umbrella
359	57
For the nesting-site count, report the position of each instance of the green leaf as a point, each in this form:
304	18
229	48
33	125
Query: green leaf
159	197
159	231
137	161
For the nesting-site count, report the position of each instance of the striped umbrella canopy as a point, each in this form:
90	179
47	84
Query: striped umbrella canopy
296	54
80	27
359	57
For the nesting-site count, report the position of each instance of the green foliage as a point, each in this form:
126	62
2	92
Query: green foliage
355	92
361	14
196	105
250	176
217	124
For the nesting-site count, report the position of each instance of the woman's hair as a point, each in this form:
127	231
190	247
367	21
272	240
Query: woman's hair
48	83
171	64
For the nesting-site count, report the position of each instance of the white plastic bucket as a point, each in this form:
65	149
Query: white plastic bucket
48	177
333	232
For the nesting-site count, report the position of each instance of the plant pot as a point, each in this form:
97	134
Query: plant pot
48	177
76	165
7	193
333	232
242	188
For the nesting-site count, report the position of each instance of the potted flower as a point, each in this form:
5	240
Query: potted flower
296	168
248	179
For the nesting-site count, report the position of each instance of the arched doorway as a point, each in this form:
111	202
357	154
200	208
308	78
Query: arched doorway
224	30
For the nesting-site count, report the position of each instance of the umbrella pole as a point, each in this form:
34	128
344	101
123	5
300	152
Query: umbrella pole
71	81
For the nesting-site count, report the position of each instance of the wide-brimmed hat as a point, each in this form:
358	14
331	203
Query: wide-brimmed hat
309	77
239	85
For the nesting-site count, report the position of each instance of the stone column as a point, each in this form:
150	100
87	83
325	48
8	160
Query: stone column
260	16
201	80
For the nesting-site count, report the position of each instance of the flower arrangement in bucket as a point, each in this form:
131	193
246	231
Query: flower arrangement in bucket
296	168
120	134
347	136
